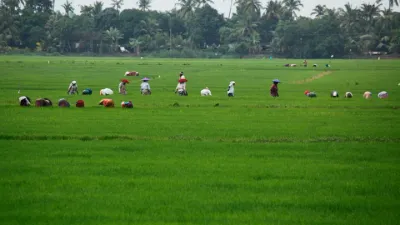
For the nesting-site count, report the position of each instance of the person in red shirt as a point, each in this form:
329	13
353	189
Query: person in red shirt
274	88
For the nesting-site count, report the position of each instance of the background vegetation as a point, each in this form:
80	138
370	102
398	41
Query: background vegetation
195	29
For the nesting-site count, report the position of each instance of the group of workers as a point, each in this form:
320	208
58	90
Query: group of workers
180	89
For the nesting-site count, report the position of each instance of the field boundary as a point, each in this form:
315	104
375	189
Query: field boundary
311	79
194	138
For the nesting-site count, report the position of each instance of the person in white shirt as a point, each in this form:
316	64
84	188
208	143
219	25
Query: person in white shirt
145	87
205	92
181	88
24	101
73	88
231	89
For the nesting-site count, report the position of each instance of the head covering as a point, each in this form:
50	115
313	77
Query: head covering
106	91
80	103
349	95
232	83
145	79
275	81
125	81
306	92
383	94
73	82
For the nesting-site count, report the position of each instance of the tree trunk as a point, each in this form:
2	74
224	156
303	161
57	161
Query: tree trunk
137	50
101	47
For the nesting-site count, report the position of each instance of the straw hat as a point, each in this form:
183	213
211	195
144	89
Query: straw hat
145	79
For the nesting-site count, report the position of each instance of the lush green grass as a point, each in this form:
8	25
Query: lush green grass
251	160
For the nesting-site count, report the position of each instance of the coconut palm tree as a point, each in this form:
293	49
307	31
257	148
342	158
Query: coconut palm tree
250	7
274	9
319	10
370	11
113	35
201	3
144	5
135	43
68	8
117	4
186	8
97	7
349	17
292	6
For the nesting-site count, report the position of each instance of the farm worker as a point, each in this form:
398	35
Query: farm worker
131	73
348	95
106	102
127	104
24	101
231	89
122	86
73	88
80	104
274	88
367	94
106	91
334	94
383	94
145	87
63	103
311	94
205	92
43	102
181	87
87	91
305	63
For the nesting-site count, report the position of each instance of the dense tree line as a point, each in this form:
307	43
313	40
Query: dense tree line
195	29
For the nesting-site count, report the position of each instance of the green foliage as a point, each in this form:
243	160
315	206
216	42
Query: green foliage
195	24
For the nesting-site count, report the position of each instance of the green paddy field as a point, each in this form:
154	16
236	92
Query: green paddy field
251	159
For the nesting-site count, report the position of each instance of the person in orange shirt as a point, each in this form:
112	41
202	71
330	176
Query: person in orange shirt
106	102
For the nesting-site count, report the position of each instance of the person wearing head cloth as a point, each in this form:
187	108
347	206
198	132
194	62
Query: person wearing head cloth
367	95
63	103
106	102
145	87
231	89
205	92
181	76
274	88
334	94
383	94
181	87
73	88
122	86
24	101
348	95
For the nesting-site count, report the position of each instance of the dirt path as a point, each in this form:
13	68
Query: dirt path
308	80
